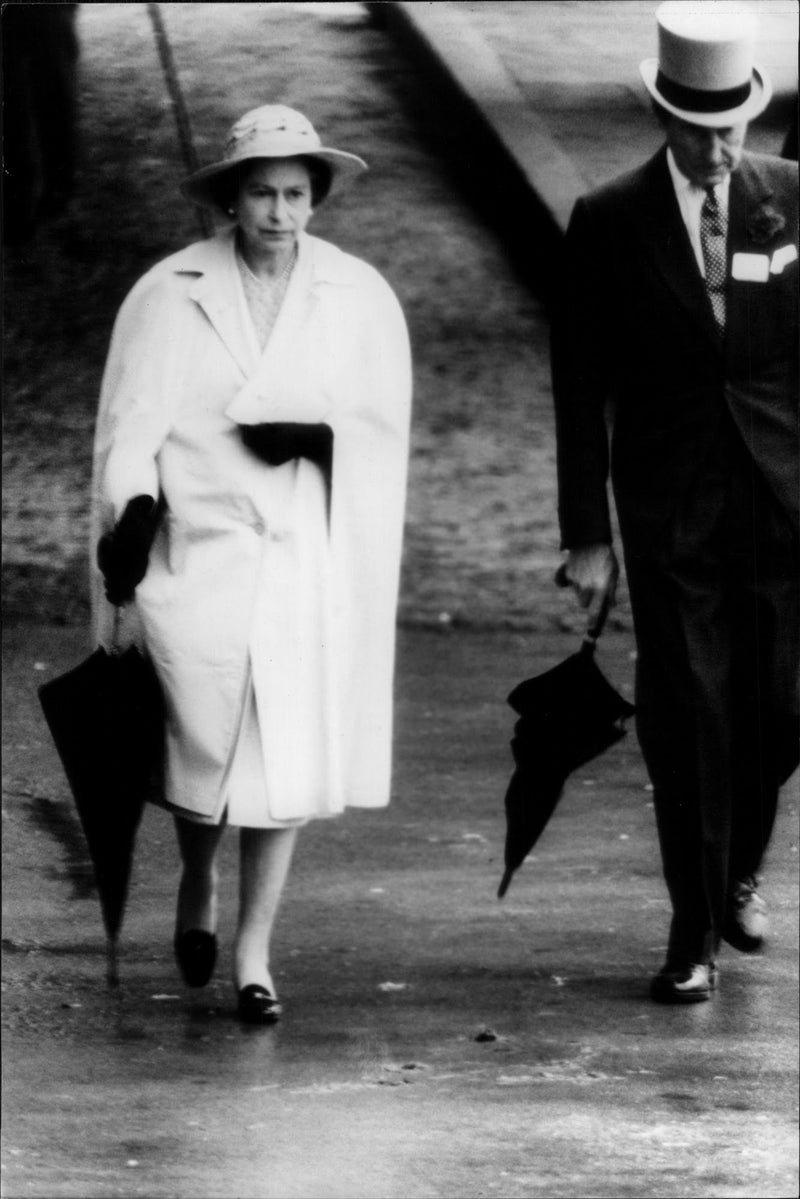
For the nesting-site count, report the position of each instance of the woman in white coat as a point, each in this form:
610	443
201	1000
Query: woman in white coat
249	488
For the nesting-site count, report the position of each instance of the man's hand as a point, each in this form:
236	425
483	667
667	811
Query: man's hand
592	571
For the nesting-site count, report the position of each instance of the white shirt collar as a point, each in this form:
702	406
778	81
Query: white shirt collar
685	187
690	201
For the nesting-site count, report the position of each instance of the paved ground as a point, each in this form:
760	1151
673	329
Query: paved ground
393	958
367	1089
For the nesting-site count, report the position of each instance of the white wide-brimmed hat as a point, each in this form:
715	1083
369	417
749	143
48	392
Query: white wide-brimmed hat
272	131
705	73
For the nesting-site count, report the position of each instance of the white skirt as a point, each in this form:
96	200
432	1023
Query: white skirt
246	803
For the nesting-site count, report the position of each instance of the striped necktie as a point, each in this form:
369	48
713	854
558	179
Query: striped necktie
713	239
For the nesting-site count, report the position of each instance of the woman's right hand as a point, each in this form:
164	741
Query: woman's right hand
123	554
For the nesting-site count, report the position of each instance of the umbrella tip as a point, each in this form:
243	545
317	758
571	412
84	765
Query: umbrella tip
112	965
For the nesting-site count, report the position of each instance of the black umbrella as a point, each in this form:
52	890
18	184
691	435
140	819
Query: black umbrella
568	715
107	720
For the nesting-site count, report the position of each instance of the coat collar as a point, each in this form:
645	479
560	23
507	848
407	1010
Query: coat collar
214	257
218	291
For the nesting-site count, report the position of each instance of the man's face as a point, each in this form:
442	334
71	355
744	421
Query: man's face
705	156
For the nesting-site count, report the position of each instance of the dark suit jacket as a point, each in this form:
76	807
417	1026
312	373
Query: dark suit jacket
633	333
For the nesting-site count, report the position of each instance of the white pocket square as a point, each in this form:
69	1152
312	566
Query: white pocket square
782	258
752	268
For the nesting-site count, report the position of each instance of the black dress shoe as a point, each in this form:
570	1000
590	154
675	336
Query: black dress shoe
746	921
690	983
257	1006
196	955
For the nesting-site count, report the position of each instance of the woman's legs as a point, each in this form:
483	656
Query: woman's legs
197	894
265	858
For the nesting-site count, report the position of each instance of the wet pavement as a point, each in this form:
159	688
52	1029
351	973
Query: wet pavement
437	1041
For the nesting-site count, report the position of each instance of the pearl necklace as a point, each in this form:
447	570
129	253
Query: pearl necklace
276	283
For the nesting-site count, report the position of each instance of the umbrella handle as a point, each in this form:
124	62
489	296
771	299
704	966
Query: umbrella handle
116	630
595	627
116	647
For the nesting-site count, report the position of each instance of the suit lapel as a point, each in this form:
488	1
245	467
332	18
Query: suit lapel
748	198
749	191
665	241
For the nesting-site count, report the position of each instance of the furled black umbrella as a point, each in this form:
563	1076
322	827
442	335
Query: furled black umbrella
568	715
107	720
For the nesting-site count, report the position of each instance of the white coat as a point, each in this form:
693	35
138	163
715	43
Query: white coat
251	588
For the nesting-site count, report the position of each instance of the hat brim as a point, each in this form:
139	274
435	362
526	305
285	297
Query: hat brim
202	186
756	102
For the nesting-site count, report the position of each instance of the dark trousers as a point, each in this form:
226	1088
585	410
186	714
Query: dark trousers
717	616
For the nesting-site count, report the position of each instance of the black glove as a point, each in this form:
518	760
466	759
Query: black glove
123	554
279	441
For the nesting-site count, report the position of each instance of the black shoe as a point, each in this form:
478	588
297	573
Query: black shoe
257	1006
746	921
196	955
691	983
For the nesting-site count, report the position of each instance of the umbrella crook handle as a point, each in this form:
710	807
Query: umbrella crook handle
116	647
596	626
116	630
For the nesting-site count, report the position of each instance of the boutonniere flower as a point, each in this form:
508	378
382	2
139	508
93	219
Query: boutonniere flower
764	224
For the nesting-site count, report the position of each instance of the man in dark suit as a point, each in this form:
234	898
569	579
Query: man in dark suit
678	320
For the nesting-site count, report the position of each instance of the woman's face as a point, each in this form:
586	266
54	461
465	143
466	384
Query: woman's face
274	204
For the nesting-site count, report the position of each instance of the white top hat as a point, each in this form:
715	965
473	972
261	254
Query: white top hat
272	131
705	73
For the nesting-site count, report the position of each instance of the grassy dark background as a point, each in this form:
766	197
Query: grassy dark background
480	522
